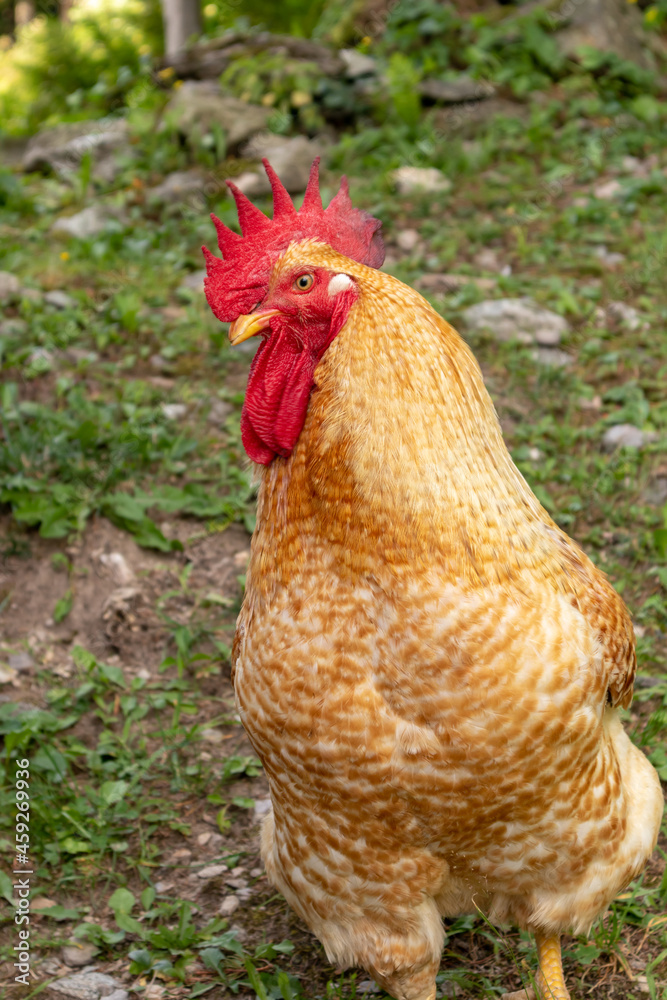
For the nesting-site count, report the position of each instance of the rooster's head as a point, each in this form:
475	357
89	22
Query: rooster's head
298	314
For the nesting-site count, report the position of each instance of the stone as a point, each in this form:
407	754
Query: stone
162	887
626	436
461	88
467	119
229	905
32	295
59	299
412	180
621	314
20	661
212	871
262	807
446	284
609	260
610	26
655	494
236	883
211	735
487	260
200	105
174	411
10	287
607	190
119	601
84	986
194	282
407	239
61	149
77	955
517	319
121	571
291	158
551	357
178	186
83	225
13	327
357	64
219	412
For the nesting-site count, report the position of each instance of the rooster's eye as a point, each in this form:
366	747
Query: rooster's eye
304	282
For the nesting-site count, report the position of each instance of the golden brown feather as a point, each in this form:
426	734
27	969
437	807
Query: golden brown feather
427	665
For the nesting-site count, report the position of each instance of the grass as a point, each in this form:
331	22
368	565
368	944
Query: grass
140	774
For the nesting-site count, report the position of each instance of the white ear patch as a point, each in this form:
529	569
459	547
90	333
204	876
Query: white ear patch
339	283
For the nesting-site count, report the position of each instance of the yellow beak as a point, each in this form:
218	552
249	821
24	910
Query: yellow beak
249	326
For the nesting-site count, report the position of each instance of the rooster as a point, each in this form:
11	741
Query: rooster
430	670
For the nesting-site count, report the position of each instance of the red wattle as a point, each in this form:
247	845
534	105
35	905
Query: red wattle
280	383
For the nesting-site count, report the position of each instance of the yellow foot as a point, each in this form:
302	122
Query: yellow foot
550	981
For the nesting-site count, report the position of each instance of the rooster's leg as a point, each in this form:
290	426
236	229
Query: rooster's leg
550	981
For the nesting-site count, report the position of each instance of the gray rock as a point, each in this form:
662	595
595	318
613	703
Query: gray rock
85	986
217	415
262	808
357	64
7	675
655	493
407	239
607	25
13	327
20	661
551	357
194	282
174	411
78	955
83	225
62	148
12	150
410	180
647	682
467	119
608	259
626	436
487	260
212	871
10	287
462	88
607	190
517	319
229	905
32	295
178	186
198	106
291	158
446	284
59	299
236	883
118	995
621	314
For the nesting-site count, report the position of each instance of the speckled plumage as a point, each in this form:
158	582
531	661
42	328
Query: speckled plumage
428	667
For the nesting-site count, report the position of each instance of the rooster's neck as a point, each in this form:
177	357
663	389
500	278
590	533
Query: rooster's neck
401	458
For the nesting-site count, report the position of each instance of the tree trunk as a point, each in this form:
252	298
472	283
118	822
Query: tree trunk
182	19
24	11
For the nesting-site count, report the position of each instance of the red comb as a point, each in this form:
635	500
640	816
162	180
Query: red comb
235	284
